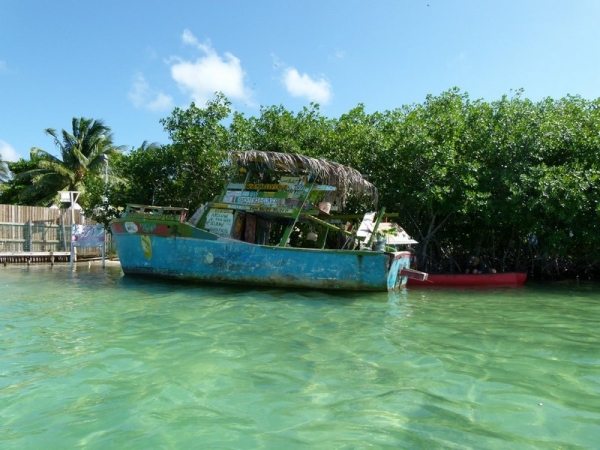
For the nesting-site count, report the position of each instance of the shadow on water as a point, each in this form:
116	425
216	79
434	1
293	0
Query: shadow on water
240	292
92	280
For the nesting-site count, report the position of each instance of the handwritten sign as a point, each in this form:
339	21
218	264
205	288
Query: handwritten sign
87	235
220	222
291	180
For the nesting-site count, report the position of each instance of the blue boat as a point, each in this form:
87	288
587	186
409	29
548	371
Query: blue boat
277	223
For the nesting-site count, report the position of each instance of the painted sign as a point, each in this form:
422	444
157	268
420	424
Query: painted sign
87	235
265	201
152	216
291	180
220	221
265	187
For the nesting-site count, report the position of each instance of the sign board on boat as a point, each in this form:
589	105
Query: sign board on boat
366	226
220	221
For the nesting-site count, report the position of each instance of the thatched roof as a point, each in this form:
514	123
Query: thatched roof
344	178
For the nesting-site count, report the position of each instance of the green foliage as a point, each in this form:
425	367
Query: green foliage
17	189
194	165
82	152
278	130
512	180
151	171
516	182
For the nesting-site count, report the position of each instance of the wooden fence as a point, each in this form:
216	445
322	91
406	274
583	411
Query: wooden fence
38	229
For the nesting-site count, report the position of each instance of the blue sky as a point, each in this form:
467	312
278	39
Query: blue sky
129	63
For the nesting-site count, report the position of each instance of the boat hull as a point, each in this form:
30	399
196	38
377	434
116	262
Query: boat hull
482	280
146	248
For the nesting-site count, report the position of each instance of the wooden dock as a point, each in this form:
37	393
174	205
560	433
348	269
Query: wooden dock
33	257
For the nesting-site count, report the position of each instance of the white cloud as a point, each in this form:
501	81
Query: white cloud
189	38
209	73
142	96
338	54
7	153
302	85
161	102
460	61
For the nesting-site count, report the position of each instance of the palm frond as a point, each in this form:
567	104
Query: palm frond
38	152
4	172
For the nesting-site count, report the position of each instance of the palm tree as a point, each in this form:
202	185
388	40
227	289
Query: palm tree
4	172
82	153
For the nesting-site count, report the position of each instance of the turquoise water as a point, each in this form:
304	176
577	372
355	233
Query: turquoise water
94	360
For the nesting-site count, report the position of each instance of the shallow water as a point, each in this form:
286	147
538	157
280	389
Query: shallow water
92	359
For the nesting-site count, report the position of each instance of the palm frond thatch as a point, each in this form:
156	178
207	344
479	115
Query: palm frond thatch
344	178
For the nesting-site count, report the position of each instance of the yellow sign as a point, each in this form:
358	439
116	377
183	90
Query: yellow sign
266	187
147	246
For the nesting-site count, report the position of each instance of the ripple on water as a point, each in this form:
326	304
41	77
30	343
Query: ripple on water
96	360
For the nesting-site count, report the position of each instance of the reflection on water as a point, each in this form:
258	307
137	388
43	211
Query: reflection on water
96	360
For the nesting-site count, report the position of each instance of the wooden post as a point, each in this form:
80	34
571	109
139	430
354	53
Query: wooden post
295	215
28	239
64	236
377	222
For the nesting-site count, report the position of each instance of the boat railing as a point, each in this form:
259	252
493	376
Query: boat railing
150	212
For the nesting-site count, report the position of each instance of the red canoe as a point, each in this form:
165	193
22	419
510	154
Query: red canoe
486	279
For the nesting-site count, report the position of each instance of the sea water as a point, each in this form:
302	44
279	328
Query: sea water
92	359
